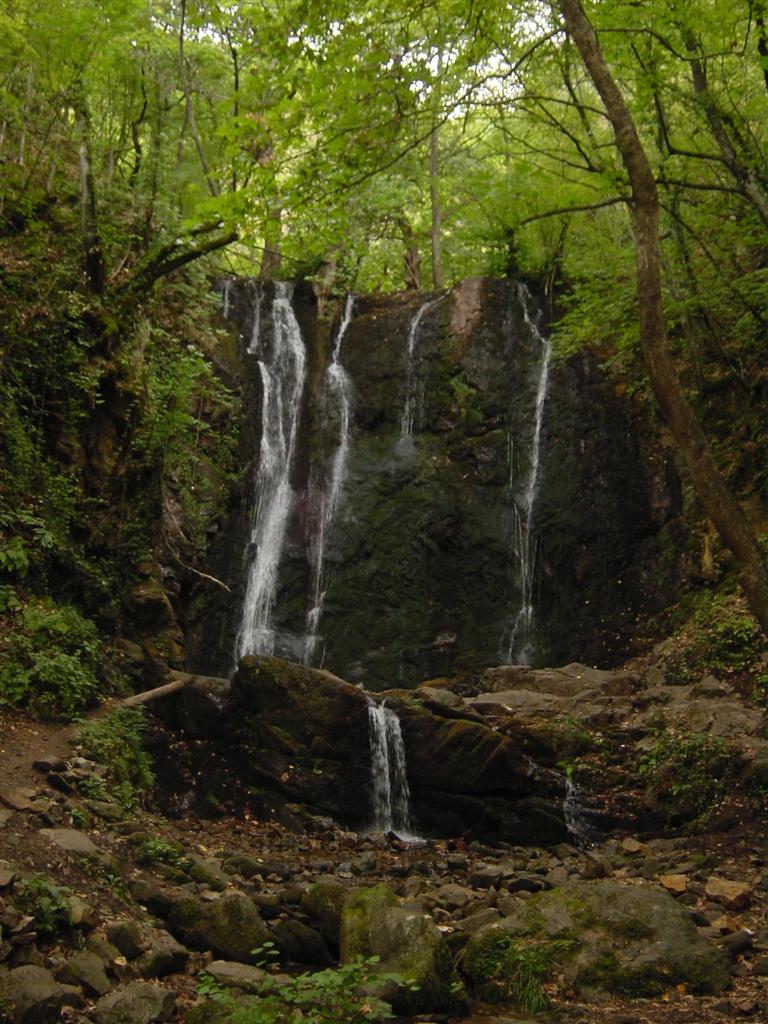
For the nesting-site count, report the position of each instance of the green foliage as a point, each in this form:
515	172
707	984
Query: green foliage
47	903
718	635
160	851
117	742
49	660
507	970
333	996
690	773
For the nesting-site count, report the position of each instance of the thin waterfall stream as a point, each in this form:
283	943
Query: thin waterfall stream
282	371
521	632
408	415
389	779
338	389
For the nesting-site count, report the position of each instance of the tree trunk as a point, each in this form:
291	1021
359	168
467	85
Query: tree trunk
271	256
95	271
718	502
434	196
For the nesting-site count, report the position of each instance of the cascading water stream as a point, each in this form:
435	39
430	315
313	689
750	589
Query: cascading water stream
573	814
253	344
389	781
521	631
226	289
338	389
409	408
282	378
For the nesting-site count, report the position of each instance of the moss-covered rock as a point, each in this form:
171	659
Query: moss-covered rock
608	937
407	943
231	927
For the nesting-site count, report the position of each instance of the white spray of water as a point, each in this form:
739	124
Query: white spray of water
338	389
282	378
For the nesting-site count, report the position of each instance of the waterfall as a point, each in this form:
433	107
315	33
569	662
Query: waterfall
338	389
574	815
409	408
389	781
520	647
226	290
253	344
282	374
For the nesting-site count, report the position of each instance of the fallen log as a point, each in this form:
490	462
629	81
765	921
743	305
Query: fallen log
178	681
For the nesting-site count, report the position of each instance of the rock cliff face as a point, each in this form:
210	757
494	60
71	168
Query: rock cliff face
465	467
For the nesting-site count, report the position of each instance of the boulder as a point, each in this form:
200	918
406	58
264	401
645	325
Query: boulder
87	970
31	995
164	956
244	977
301	944
407	943
128	937
231	927
71	841
606	938
137	1003
322	902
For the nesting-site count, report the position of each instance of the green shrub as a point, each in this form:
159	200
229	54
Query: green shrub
325	997
47	903
690	773
49	660
505	970
718	635
117	742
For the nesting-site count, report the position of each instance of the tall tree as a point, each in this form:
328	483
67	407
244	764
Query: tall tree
718	502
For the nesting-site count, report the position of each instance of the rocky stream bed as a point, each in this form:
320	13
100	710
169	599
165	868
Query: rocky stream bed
641	917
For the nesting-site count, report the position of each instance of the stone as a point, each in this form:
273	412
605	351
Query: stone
738	942
34	994
50	763
137	1003
675	884
373	923
165	956
233	975
300	943
8	874
452	896
128	937
604	937
732	895
87	970
633	846
17	799
322	902
474	922
486	876
231	927
71	841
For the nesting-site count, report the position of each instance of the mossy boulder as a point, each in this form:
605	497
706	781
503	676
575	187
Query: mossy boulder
633	941
231	927
322	902
375	924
